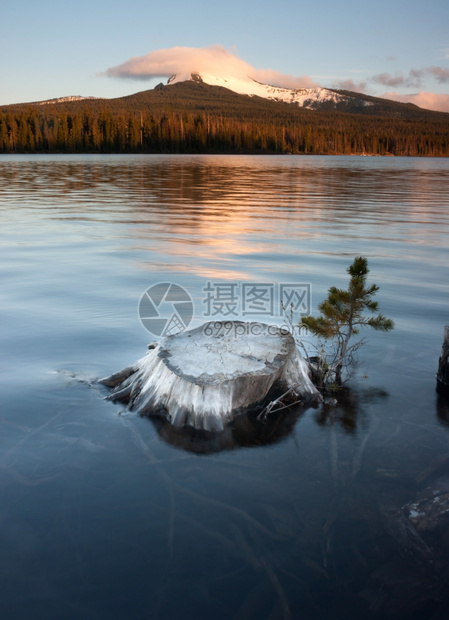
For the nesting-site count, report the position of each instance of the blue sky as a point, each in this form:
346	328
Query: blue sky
395	48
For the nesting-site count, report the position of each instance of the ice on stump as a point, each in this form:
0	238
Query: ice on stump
206	376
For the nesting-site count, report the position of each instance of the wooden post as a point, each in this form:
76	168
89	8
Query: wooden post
443	364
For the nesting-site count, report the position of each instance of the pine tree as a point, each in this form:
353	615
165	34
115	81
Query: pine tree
342	317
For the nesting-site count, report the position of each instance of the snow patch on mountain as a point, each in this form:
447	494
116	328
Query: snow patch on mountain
65	99
304	97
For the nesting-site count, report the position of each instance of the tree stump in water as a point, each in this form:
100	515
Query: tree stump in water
206	376
443	364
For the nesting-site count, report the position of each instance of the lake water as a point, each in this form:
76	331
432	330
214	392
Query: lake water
108	515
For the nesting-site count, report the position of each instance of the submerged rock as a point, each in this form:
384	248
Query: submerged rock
419	523
204	377
413	583
430	511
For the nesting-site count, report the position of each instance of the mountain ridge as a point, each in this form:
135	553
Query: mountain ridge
353	103
314	98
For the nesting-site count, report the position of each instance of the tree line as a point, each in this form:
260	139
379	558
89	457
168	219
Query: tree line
99	129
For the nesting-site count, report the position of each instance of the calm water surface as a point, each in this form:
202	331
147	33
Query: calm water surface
108	515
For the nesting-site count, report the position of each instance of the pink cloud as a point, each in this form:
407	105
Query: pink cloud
274	78
215	60
167	62
427	100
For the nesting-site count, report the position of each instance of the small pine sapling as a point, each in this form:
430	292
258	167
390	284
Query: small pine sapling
341	318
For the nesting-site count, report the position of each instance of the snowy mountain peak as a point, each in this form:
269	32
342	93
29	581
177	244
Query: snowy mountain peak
312	98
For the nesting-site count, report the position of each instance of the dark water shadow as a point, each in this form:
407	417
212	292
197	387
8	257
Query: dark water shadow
442	406
245	431
349	408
